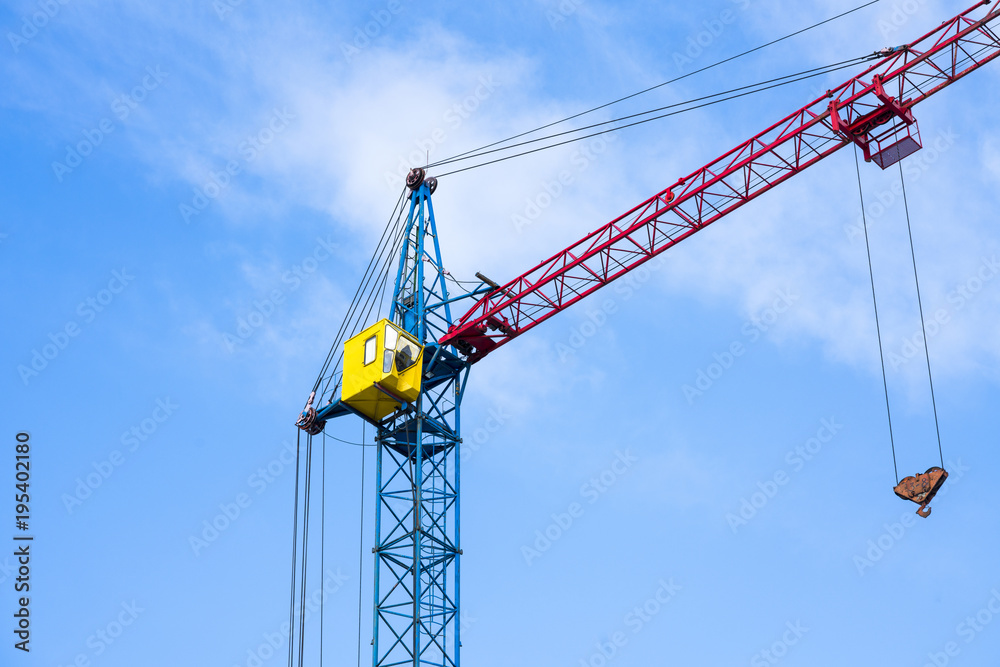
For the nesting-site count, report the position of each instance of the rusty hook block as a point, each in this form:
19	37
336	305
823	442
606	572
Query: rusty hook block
921	488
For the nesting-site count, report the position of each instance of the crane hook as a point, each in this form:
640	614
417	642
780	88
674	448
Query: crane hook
921	488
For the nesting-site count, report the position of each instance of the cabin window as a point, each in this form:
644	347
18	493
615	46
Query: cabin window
391	336
406	355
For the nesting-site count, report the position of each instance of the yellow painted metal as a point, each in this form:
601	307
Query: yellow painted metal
383	366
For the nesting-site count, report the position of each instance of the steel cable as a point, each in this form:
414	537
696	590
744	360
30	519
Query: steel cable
923	328
651	88
878	331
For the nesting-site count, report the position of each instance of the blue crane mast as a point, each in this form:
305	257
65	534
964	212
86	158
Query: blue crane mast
418	432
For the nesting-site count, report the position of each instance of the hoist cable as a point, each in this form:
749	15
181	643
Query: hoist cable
295	542
816	71
344	327
640	122
322	549
381	276
878	331
958	64
373	297
923	328
396	249
305	550
378	294
459	284
660	85
387	268
361	538
348	324
362	285
348	442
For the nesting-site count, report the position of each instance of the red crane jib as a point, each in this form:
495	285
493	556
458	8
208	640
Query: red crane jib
872	110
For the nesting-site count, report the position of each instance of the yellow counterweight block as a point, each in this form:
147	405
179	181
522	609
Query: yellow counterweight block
383	366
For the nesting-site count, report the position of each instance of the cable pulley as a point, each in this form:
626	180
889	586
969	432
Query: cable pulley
415	178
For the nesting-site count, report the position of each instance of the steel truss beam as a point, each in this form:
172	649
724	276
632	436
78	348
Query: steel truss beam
851	112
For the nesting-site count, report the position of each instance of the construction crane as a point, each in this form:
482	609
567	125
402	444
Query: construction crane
406	374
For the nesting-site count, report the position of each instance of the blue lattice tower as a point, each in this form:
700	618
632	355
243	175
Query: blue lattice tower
416	617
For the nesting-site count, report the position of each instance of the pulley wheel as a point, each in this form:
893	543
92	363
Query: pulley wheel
415	178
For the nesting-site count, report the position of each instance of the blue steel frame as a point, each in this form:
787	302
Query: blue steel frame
417	537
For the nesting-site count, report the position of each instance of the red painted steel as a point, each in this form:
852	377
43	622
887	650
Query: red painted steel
873	107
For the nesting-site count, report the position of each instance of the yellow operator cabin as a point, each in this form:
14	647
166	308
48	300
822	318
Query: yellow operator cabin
383	366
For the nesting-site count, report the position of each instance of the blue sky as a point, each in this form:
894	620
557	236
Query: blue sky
190	192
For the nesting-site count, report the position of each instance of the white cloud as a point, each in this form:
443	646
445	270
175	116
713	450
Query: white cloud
356	122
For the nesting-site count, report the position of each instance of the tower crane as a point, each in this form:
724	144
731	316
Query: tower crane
406	374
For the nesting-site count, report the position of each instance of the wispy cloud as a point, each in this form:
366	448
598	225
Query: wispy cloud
358	124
